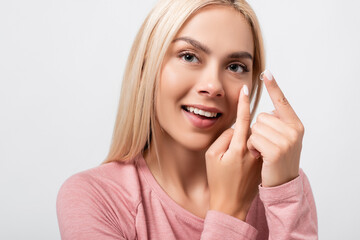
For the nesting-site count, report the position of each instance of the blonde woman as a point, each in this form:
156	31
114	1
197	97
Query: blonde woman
176	168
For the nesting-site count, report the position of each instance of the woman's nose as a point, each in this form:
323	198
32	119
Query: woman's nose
210	83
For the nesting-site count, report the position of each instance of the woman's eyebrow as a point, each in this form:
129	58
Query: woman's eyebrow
205	49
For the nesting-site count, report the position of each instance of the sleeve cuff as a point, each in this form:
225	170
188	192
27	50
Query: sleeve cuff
287	190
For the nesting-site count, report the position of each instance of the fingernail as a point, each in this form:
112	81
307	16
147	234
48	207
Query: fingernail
246	90
271	112
267	73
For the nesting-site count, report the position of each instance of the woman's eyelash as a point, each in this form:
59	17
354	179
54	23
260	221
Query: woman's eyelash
192	55
183	54
245	68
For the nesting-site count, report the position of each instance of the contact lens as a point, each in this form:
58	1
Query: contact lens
262	76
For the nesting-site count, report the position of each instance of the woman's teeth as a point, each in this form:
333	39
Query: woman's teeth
201	112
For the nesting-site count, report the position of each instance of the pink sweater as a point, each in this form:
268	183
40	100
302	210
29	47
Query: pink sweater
124	201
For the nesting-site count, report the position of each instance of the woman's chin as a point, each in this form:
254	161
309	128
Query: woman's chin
198	144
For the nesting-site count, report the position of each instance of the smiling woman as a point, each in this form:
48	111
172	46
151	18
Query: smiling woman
205	72
176	169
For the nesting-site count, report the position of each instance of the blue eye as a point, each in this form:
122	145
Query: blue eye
188	57
238	68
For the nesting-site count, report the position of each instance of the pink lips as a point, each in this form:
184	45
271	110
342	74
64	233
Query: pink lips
198	121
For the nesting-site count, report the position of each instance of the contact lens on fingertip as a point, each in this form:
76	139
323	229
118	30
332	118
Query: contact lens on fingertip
267	73
262	76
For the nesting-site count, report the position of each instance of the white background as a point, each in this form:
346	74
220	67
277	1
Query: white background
61	64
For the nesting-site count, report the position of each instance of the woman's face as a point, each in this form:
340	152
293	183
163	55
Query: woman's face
205	67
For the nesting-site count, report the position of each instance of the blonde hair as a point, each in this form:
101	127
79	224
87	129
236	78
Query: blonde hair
136	111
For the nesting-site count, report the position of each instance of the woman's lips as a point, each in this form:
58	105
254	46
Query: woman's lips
199	121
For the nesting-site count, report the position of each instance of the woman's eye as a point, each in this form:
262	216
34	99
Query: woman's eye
189	58
238	68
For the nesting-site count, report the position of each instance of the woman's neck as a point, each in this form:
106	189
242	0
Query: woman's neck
180	172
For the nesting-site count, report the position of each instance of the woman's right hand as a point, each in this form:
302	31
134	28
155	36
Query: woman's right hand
233	172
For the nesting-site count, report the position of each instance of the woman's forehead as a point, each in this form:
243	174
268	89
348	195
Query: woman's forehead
220	28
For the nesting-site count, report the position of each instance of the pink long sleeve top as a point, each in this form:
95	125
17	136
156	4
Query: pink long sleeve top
124	201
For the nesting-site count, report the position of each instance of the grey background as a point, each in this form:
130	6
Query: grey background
61	64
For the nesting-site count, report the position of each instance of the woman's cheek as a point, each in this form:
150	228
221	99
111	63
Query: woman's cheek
176	78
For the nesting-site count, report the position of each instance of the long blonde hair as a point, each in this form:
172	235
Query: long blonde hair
136	111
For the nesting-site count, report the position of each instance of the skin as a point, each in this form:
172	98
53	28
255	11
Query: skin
219	168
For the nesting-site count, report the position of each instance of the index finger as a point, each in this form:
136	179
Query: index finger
243	118
281	104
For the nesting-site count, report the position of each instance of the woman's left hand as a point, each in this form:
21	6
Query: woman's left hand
277	138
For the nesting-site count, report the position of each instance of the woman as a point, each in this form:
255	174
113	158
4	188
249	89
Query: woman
176	169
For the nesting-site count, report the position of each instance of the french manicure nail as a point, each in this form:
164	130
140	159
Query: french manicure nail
246	90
